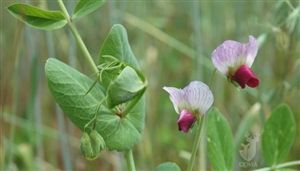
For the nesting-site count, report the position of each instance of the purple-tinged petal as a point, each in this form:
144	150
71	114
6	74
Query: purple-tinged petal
198	96
177	97
251	50
245	76
230	55
227	55
186	120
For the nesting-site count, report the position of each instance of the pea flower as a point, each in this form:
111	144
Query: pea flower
190	103
234	59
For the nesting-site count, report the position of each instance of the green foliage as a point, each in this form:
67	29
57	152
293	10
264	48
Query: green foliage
117	46
125	87
38	18
168	166
69	88
85	7
219	141
278	135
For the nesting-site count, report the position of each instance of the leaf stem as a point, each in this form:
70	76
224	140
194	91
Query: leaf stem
79	40
129	160
279	166
195	144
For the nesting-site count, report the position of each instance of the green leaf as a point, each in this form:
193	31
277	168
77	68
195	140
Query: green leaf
116	45
68	86
38	18
125	87
122	132
168	166
278	135
219	141
85	7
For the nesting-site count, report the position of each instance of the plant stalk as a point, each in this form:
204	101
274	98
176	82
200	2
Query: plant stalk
195	145
79	40
279	166
129	160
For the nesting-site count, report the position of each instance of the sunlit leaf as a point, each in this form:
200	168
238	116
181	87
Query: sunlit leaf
38	18
168	166
125	87
278	135
219	141
85	7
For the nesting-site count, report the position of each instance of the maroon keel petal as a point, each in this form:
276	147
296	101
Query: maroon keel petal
245	76
185	121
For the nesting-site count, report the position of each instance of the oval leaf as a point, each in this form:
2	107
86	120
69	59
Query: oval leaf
38	18
69	86
168	166
278	135
116	45
125	87
219	141
85	7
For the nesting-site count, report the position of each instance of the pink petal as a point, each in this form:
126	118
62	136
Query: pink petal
185	121
232	54
245	76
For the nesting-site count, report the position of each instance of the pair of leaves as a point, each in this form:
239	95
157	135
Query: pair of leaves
69	88
50	20
277	138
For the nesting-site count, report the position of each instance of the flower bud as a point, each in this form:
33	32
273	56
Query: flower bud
98	143
86	147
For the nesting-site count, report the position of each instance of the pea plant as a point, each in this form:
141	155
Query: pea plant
109	106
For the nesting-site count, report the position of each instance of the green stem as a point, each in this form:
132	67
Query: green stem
79	40
195	145
129	160
279	166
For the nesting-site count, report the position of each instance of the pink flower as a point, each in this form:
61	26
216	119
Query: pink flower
190	102
234	59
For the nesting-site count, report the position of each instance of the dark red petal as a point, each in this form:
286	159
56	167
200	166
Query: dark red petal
185	121
245	76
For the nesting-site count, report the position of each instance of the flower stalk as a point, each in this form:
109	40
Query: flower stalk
195	144
129	160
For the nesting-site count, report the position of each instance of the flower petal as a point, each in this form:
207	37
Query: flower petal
186	120
251	50
177	97
198	96
245	76
232	54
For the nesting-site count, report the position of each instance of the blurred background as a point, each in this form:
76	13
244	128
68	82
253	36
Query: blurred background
173	41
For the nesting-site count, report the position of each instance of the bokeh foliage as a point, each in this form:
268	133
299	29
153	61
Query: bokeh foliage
172	41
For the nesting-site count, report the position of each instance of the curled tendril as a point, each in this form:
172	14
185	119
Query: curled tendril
94	119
